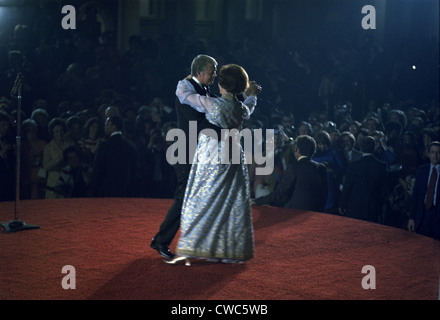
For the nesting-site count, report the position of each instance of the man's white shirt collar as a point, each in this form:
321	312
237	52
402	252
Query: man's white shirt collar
198	82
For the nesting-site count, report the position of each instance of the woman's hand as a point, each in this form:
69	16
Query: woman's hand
254	89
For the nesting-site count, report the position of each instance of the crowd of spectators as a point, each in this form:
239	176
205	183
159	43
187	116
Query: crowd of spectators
74	81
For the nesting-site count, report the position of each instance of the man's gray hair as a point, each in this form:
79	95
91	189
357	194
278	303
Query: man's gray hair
201	63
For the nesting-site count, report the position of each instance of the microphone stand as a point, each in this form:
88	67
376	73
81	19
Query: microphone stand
15	224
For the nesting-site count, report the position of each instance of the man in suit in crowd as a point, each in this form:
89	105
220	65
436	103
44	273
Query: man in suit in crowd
115	168
303	184
425	202
364	188
203	72
348	141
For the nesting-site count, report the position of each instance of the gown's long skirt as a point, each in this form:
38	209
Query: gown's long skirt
216	220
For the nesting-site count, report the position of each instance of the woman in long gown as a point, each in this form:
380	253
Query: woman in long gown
216	221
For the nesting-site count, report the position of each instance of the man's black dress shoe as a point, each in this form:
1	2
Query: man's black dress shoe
164	251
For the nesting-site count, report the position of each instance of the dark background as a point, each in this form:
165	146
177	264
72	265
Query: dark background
286	45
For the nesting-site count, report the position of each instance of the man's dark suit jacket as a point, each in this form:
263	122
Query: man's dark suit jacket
303	186
417	207
115	170
364	189
185	114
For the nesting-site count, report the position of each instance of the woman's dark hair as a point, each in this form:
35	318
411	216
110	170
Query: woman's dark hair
26	127
233	79
89	123
56	122
324	138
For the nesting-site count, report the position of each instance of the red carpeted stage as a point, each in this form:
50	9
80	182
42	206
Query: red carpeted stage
298	256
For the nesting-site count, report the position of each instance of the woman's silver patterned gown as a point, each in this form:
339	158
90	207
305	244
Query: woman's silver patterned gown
216	220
